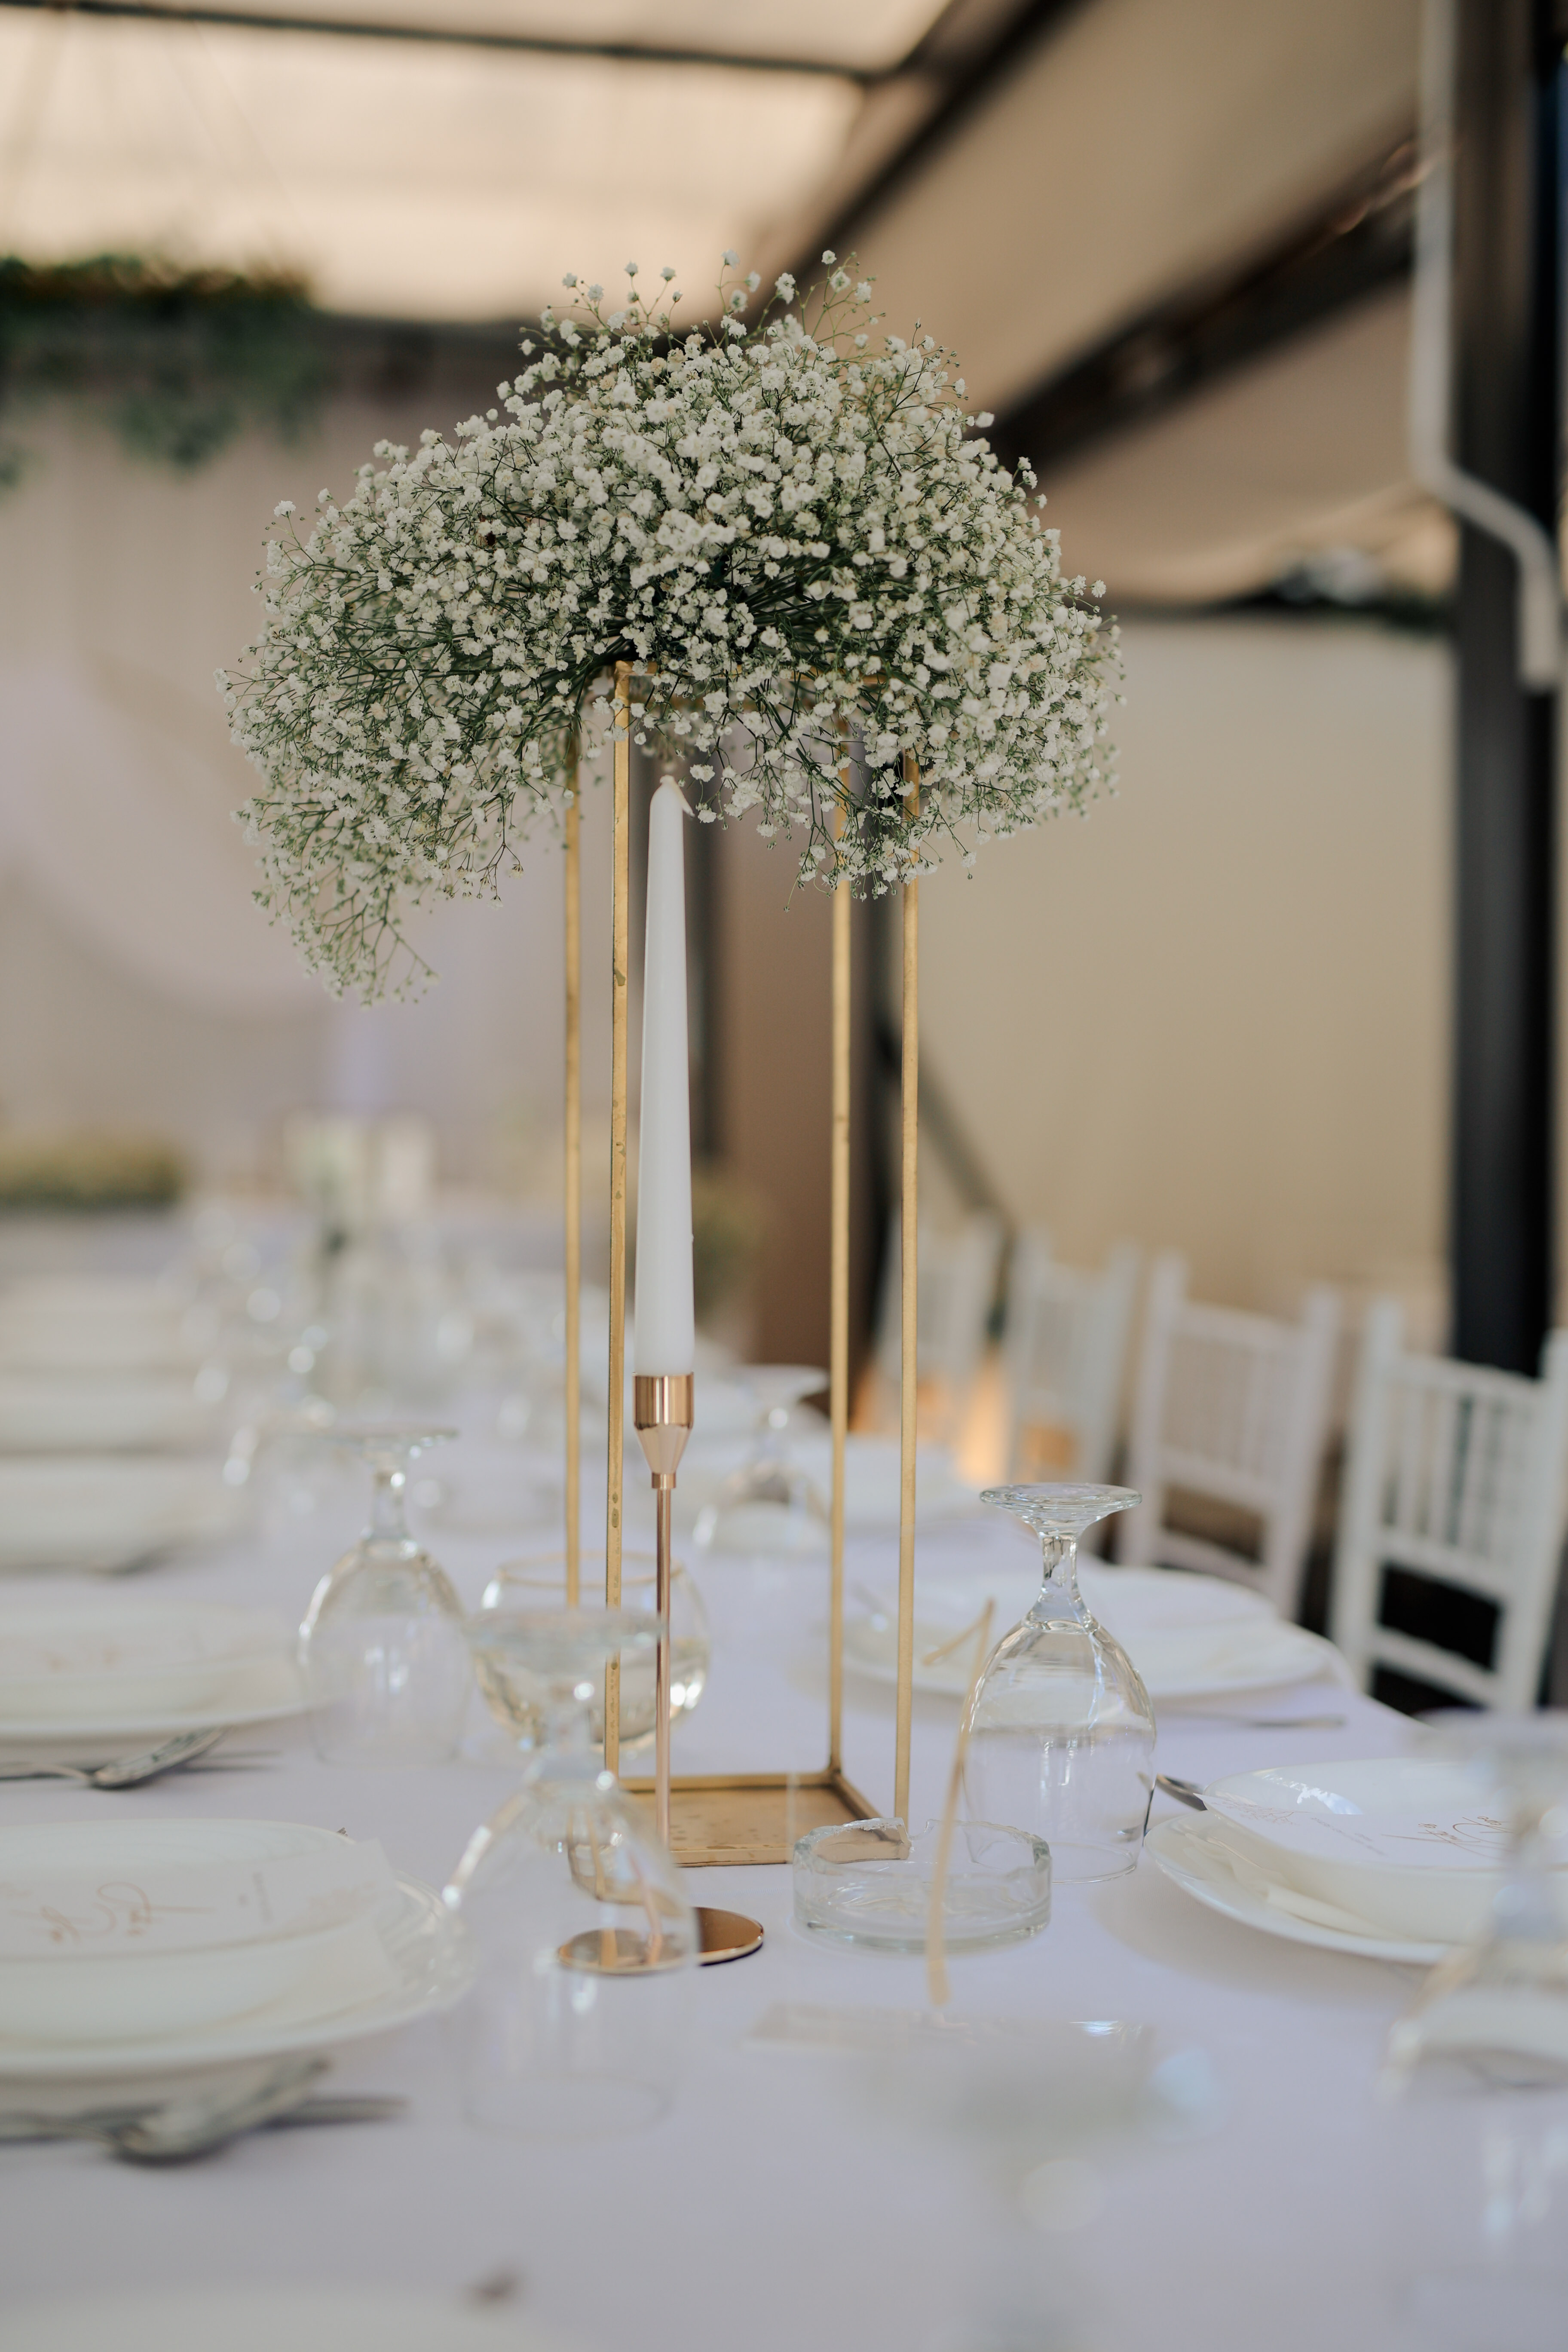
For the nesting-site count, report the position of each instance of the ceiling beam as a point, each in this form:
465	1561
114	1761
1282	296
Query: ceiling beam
1358	242
262	20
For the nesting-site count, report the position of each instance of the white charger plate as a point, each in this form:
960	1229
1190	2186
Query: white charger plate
1196	1864
432	1970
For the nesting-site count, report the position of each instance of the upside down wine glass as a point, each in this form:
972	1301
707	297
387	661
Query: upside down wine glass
769	1504
1061	1731
584	1939
384	1659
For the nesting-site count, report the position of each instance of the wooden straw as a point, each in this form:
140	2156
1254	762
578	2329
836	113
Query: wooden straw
838	1335
573	1180
936	1936
620	885
909	1368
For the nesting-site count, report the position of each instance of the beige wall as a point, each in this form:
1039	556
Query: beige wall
1214	1014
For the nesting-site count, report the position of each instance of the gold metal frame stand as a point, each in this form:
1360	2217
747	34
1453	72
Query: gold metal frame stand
725	1818
572	1174
909	1331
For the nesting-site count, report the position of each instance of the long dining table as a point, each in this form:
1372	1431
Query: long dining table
782	2202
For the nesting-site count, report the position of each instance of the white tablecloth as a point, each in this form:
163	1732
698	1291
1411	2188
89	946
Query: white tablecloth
772	2207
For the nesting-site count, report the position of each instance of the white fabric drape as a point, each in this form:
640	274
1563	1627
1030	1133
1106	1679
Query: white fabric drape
126	832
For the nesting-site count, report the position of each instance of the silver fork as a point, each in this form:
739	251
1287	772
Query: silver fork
176	2131
124	1771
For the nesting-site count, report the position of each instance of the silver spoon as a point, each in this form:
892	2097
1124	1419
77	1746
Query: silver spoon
124	1771
1185	1792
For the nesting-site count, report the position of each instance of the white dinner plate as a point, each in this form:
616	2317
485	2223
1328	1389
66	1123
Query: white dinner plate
108	1512
102	1412
1189	1636
1205	1871
1416	1845
118	1930
97	1324
259	2318
431	1969
117	1660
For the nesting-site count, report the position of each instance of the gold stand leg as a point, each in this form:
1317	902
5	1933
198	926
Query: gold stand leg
620	885
574	1181
839	1318
908	1350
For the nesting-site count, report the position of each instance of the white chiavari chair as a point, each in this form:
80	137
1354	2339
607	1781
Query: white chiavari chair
1065	1350
955	1293
1454	1479
1230	1416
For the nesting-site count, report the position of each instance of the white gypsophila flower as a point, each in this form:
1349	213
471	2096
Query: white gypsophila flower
799	544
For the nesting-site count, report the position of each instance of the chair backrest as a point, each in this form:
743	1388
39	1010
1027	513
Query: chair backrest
956	1289
1064	1343
1231	1409
1455	1473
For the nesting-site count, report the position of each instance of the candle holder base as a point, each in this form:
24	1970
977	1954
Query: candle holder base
725	1935
732	1819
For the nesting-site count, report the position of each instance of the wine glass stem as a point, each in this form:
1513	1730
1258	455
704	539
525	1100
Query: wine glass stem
1058	1557
388	1521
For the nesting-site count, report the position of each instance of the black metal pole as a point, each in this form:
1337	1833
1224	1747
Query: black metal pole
1507	324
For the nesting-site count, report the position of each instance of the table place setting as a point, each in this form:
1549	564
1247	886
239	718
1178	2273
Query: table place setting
108	1512
94	1326
107	1413
137	1954
1191	1636
81	1682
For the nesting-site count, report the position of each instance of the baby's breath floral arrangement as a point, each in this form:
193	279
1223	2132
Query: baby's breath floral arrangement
788	525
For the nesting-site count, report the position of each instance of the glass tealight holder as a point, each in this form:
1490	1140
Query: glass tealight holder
867	1883
385	1664
584	1939
540	1583
1061	1730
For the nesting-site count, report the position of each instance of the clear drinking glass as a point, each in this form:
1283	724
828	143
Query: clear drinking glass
541	1583
1499	2006
769	1504
584	1939
385	1662
1061	1731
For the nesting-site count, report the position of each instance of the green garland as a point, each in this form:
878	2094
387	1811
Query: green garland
185	360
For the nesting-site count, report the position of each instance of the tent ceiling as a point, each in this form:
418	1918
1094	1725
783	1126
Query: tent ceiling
867	36
1139	145
403	179
1130	149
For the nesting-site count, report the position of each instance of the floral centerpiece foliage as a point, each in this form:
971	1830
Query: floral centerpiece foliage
184	360
796	539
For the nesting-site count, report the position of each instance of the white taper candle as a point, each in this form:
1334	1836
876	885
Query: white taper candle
666	1330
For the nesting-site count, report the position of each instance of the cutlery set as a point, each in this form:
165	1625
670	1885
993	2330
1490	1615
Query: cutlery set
177	2130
